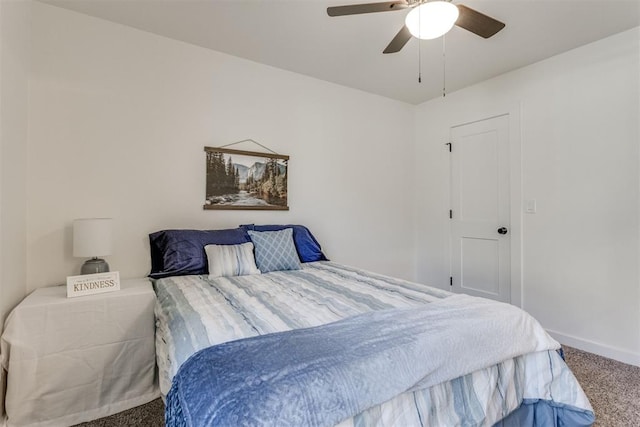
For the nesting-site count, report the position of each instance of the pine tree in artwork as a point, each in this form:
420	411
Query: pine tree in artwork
222	177
229	179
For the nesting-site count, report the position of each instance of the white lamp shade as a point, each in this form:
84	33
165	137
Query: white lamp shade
432	19
92	237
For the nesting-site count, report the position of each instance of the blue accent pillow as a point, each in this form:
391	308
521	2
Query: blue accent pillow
275	250
307	246
181	252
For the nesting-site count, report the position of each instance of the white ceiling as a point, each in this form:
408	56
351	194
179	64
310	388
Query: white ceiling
299	36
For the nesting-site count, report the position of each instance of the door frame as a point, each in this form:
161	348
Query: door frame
515	193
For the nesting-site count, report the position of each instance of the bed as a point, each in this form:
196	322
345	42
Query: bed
322	343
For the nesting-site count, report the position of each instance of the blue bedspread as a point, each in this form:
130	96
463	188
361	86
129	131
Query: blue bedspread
320	376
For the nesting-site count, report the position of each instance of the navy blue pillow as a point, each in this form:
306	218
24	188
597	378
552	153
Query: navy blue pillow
181	252
307	246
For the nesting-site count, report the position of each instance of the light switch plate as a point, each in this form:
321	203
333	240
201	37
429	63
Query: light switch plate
530	206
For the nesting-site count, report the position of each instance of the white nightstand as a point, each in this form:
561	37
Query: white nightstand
70	360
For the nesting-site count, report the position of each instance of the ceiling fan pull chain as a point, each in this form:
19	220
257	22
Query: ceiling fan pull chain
419	61
419	54
444	69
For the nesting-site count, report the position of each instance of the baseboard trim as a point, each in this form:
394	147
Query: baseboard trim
621	355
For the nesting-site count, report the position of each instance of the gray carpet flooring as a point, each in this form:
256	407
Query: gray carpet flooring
613	389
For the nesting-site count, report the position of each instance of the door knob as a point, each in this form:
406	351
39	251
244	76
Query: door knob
502	230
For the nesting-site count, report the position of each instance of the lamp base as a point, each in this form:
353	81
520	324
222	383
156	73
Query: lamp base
94	265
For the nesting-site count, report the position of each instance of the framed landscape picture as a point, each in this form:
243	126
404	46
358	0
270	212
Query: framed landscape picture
239	179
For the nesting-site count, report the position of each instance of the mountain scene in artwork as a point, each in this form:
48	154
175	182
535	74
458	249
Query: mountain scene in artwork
245	181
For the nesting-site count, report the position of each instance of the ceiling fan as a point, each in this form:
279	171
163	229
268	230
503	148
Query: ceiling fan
426	19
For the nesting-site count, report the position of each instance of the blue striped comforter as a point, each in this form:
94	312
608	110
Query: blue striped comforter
194	313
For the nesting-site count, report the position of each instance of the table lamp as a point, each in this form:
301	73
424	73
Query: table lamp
92	238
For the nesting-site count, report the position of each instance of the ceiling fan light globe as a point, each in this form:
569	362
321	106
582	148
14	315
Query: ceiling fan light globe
432	19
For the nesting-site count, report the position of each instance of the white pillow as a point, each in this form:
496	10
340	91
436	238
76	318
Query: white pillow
231	260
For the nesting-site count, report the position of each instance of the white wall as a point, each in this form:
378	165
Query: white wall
14	66
579	137
118	122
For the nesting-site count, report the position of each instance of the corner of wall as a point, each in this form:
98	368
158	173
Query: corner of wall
14	75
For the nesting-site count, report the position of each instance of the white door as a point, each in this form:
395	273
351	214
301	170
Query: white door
479	216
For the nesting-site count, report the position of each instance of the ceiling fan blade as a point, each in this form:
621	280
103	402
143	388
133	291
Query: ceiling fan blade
478	23
398	41
356	9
